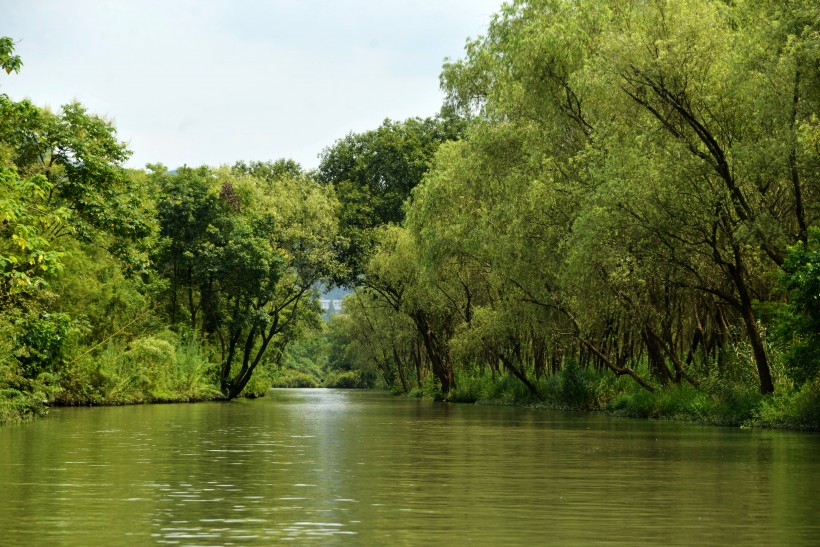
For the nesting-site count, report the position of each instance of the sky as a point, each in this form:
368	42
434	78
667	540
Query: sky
216	81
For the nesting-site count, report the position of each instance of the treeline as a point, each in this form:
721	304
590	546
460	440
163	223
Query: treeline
616	208
628	209
121	286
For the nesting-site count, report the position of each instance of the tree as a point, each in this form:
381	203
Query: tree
374	172
668	137
396	276
246	255
26	253
81	159
8	61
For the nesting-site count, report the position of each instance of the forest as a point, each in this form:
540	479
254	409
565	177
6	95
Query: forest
616	208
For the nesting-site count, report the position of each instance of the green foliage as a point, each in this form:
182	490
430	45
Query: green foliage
81	160
294	379
794	409
120	286
374	172
26	251
798	325
601	228
17	405
482	387
42	342
8	61
624	196
387	162
260	383
150	369
577	387
242	250
349	379
716	402
429	389
471	387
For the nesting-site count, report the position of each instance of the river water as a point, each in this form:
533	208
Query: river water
363	468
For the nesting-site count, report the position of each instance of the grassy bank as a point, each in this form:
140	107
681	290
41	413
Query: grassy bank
716	402
160	368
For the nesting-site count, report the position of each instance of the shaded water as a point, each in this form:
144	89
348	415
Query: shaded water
346	467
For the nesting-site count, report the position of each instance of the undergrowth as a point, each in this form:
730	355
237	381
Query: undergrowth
714	401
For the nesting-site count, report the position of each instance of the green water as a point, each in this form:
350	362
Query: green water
363	468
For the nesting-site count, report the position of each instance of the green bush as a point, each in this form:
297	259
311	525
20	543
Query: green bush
797	326
577	387
733	403
192	376
791	409
290	378
159	368
42	342
347	379
471	387
16	405
260	383
714	402
506	390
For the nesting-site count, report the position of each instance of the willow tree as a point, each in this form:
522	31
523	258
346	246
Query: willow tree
706	84
669	137
397	277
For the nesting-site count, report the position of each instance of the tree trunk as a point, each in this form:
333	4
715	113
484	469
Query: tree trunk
750	321
441	367
521	374
400	369
657	363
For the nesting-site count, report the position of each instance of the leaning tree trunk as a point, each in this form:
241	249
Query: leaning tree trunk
752	331
438	359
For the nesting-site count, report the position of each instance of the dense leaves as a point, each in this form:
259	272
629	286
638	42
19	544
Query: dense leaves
119	285
616	208
633	180
799	326
373	174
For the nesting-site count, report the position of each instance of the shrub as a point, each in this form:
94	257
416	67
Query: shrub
791	409
16	405
42	342
158	368
347	379
193	373
260	383
471	387
290	378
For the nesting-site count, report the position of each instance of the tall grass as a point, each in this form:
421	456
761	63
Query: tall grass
791	409
159	368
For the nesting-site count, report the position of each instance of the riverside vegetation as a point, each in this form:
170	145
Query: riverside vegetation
616	209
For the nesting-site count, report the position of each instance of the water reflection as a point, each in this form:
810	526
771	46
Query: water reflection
340	467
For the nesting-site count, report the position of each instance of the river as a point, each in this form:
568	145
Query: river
364	468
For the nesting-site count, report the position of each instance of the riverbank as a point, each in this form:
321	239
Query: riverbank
152	370
721	403
715	402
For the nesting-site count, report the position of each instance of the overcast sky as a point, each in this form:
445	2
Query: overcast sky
215	81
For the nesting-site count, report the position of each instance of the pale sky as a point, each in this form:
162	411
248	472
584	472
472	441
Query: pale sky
215	81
